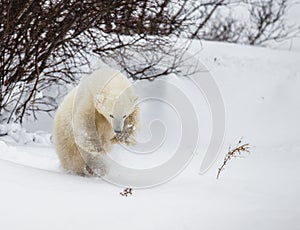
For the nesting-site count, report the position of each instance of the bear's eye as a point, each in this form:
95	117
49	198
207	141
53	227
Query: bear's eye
111	116
124	116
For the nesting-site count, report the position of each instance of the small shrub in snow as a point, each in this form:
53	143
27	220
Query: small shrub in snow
126	192
237	151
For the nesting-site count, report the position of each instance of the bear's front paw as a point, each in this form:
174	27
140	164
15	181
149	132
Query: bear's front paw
95	164
100	171
89	147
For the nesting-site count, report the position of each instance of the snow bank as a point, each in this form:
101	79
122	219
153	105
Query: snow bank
20	136
260	89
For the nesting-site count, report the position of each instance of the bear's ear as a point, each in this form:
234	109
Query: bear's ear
99	98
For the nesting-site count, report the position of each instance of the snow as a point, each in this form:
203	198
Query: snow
260	89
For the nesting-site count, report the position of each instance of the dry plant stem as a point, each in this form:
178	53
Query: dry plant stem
238	150
126	191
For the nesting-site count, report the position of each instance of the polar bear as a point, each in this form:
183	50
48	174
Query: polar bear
98	113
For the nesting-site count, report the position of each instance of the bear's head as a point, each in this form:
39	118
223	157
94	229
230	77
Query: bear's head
116	108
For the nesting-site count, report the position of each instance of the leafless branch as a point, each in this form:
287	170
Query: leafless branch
237	151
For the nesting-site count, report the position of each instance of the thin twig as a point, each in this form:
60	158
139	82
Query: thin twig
238	150
126	191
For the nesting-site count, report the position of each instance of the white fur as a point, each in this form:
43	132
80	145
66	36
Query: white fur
86	119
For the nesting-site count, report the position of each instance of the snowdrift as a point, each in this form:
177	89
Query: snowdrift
260	89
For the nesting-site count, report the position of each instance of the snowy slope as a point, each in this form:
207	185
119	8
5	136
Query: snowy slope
260	88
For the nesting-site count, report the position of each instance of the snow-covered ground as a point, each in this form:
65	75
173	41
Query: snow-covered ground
261	92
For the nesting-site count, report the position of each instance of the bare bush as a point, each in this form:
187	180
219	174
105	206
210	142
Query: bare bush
49	42
232	153
265	21
224	29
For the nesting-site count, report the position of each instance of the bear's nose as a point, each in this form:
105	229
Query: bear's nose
117	131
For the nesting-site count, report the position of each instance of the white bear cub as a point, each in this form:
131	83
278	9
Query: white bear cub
98	113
